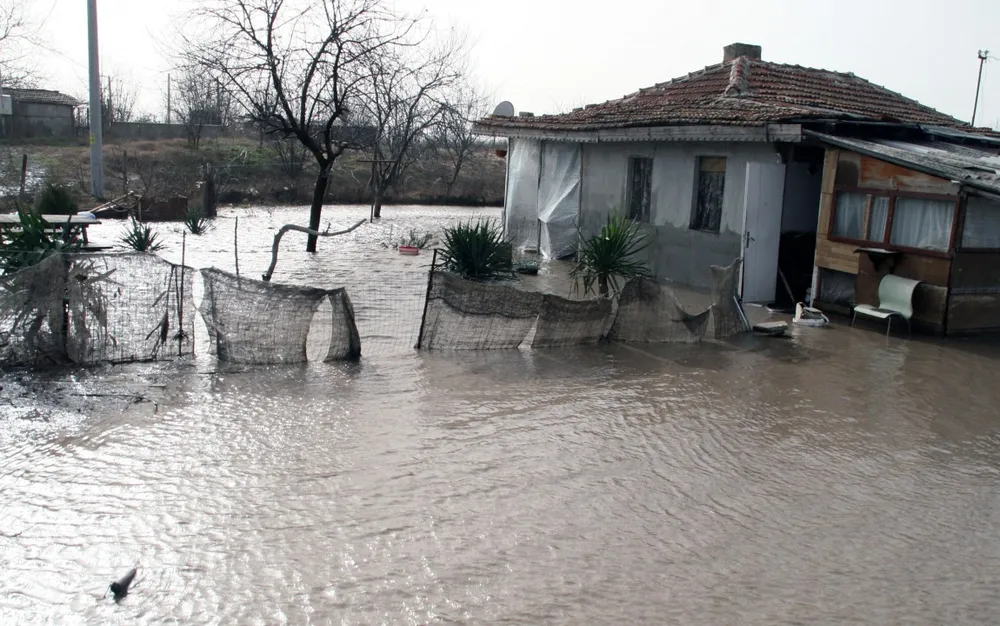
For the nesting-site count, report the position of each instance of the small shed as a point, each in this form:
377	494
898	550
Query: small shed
38	113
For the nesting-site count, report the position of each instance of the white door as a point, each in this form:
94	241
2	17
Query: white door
762	200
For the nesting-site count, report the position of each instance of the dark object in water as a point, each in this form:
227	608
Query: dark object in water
120	587
526	267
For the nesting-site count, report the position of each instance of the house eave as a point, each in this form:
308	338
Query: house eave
766	133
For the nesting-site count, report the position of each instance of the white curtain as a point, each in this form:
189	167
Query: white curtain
880	216
850	216
521	203
923	223
982	223
559	199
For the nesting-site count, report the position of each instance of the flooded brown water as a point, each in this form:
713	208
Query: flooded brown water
829	478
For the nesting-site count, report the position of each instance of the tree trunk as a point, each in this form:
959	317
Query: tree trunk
316	211
378	205
209	202
602	285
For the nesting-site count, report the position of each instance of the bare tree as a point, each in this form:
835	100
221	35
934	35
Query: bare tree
18	40
198	100
455	138
404	101
119	95
295	67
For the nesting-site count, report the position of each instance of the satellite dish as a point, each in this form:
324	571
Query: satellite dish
504	109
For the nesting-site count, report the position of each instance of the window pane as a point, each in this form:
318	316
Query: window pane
923	223
849	218
880	215
982	223
711	187
640	188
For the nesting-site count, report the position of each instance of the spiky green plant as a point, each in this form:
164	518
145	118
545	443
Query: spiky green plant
141	237
33	241
196	222
609	256
477	251
55	200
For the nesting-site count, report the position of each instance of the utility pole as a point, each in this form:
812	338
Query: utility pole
982	60
168	98
96	135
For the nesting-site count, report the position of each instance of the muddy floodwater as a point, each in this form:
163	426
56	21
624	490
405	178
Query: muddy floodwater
832	477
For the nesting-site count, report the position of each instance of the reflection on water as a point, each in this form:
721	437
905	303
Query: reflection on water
827	478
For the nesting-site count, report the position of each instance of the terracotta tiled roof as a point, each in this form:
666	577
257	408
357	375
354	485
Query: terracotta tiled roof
742	92
41	96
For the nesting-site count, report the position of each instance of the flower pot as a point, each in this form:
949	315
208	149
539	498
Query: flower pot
409	250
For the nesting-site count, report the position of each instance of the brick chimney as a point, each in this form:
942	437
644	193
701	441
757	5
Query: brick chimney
737	50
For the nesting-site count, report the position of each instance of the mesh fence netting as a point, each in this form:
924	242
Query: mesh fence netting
95	308
466	315
650	312
251	321
563	322
726	311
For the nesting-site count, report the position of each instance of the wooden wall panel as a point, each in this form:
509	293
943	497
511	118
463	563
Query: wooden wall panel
973	312
930	300
976	270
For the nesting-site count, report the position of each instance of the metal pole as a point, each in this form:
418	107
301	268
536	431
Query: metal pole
96	136
982	59
168	98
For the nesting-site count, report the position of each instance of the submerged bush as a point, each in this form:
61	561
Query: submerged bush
141	237
477	251
196	222
608	256
55	200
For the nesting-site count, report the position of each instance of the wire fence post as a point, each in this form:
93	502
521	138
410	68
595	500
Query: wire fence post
427	297
180	307
236	244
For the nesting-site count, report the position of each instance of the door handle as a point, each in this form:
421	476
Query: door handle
747	239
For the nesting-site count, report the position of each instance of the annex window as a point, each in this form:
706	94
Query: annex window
640	187
707	214
982	224
894	220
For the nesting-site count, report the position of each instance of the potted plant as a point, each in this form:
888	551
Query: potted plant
477	251
414	242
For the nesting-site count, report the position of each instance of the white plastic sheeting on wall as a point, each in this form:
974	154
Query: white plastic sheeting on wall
521	206
559	199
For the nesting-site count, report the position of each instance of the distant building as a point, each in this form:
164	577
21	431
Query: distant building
37	113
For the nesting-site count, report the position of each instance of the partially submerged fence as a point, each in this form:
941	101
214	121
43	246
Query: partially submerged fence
95	308
461	314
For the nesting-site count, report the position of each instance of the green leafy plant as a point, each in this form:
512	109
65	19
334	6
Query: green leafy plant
55	200
141	237
477	251
416	240
609	256
196	222
33	241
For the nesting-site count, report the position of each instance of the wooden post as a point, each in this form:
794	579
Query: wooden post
427	297
180	302
236	245
125	171
24	176
208	206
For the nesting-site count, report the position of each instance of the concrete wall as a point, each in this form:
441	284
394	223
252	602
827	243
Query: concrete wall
678	253
153	131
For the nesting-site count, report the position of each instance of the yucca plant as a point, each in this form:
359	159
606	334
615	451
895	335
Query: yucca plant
33	241
196	222
609	256
141	237
477	251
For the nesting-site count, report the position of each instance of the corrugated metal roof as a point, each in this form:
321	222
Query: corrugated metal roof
742	92
41	96
976	167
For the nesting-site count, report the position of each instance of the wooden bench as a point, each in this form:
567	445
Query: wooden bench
58	225
895	299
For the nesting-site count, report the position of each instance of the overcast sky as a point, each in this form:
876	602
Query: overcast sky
549	56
